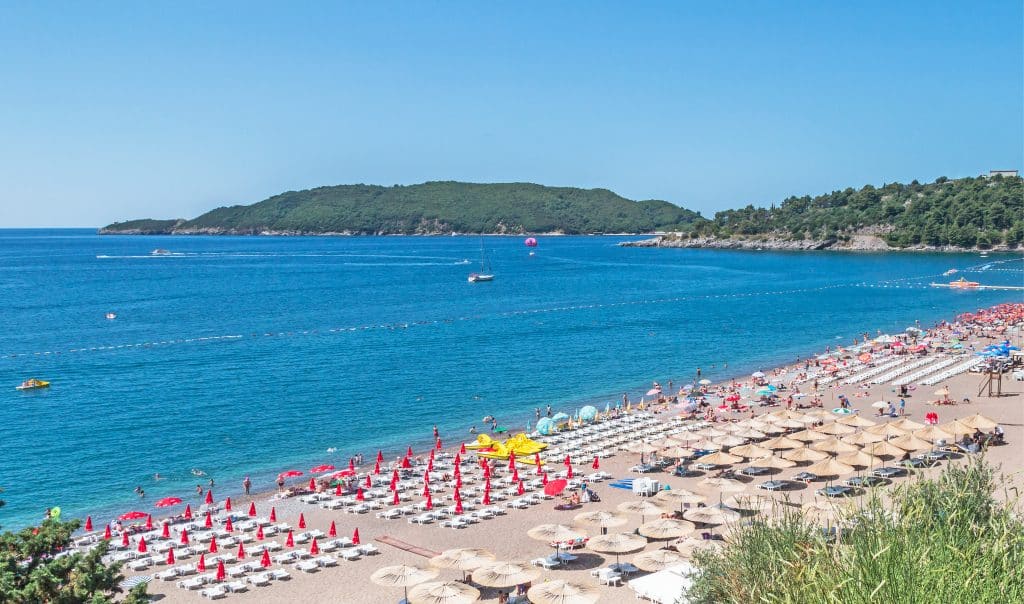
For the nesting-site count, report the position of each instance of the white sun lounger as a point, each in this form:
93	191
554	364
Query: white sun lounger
350	554
368	549
285	558
279	574
325	561
214	592
236	586
422	519
390	514
307	566
259	580
194	583
167	575
547	563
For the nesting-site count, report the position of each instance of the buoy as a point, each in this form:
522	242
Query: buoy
111	316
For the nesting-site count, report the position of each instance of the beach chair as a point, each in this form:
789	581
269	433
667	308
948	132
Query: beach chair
368	549
609	577
214	593
167	575
259	580
422	519
545	563
279	574
236	587
285	558
194	583
325	561
238	571
390	514
350	554
307	566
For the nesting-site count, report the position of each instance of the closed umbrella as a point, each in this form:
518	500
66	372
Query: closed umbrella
558	591
656	560
804	454
616	543
402	576
447	592
505	574
665	528
711	515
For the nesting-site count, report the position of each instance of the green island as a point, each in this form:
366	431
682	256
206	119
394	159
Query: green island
432	208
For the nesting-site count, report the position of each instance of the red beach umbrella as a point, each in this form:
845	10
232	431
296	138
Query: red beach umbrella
597	464
429	503
209	498
134	515
314	549
201	565
458	481
227	504
337	490
408	452
273	514
458	506
228	525
259	534
376	468
167	502
520	489
88	523
321	468
544	479
184	536
252	509
352	465
142	545
458	471
220	570
395	500
289	540
265	560
515	474
380	456
462	449
188	511
406	463
359	494
106	533
312	484
241	550
426	476
458	460
426	490
554	487
430	465
170	557
213	544
368	483
355	536
569	473
302	520
289	474
124	539
567	462
431	455
208	523
166	533
149	522
333	531
438	445
511	461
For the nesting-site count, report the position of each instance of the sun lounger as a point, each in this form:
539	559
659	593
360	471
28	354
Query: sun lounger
279	574
334	504
325	561
422	519
350	554
285	558
609	577
238	571
390	514
214	592
167	575
259	580
361	508
368	549
236	586
456	523
140	564
302	537
194	583
546	563
307	566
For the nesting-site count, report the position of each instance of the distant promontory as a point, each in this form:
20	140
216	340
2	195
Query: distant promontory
432	208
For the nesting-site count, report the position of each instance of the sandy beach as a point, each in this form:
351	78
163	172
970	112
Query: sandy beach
505	535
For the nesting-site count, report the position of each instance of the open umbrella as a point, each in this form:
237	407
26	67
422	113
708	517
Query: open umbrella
807	435
289	474
665	528
402	576
979	421
835	429
907	424
446	592
321	469
830	467
167	502
679	497
782	442
505	574
932	433
555	533
957	428
659	559
711	515
748	501
883	448
834	446
858	458
886	430
554	487
804	454
729	440
772	461
641	507
600	519
719	458
690	545
616	543
557	591
856	421
463	558
726	485
133	515
862	438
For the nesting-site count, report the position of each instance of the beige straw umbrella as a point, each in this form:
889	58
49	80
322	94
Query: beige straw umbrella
835	429
907	424
675	452
750	450
958	428
665	528
862	438
750	433
712	432
830	467
858	458
804	454
807	435
641	507
726	485
679	497
750	501
772	461
856	421
643	447
711	515
788	423
979	421
601	519
729	440
834	446
616	543
884	448
785	414
719	459
658	559
822	414
887	430
932	433
462	558
555	533
402	576
446	592
505	574
691	545
762	426
558	591
782	442
909	442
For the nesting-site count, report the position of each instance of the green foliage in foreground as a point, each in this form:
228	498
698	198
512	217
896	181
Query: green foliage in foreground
966	212
939	540
30	574
434	208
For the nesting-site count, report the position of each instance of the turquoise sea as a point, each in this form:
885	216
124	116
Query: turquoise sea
249	355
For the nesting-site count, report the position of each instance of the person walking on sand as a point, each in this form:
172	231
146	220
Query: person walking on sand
247	484
903	407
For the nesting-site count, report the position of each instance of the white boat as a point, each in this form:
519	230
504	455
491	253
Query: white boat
160	252
485	268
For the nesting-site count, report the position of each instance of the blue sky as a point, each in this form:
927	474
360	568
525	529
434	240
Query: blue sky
113	111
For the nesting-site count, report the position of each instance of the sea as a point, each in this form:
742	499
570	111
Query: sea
248	356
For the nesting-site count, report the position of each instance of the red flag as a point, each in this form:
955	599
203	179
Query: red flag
209	497
333	531
184	536
228	525
106	533
359	494
170	557
166	533
220	570
252	509
259	533
289	540
188	511
227	504
265	561
209	521
241	550
355	536
201	566
142	545
597	464
88	523
302	520
314	549
273	514
213	545
149	522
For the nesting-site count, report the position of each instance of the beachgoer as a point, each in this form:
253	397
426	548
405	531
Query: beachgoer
494	424
549	411
280	483
903	407
211	483
157	476
246	484
536	412
199	490
472	429
435	432
502	597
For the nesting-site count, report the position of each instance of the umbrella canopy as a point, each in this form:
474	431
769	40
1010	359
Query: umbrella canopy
554	487
933	433
834	446
835	429
772	461
679	497
726	485
750	450
289	474
133	515
910	442
463	558
747	501
907	425
830	467
712	432
167	502
729	440
642	448
675	452
322	468
862	438
616	543
784	414
957	427
885	448
858	458
804	454
979	421
711	515
719	458
600	519
554	533
750	433
691	545
640	507
887	430
880	404
807	435
782	442
856	421
505	574
658	559
788	423
447	592
563	592
666	528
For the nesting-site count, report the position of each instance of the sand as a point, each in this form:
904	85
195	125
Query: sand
505	536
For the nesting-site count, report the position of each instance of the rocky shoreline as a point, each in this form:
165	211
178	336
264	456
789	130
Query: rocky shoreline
856	243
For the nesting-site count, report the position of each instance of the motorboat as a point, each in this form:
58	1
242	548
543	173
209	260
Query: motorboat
32	384
951	271
962	283
160	252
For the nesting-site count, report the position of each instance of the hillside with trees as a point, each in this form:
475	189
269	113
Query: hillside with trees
430	208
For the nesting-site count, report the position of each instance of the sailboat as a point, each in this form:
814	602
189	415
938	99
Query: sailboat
485	268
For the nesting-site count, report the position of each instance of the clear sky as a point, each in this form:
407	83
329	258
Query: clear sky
167	109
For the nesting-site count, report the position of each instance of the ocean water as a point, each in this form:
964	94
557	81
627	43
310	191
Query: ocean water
249	356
